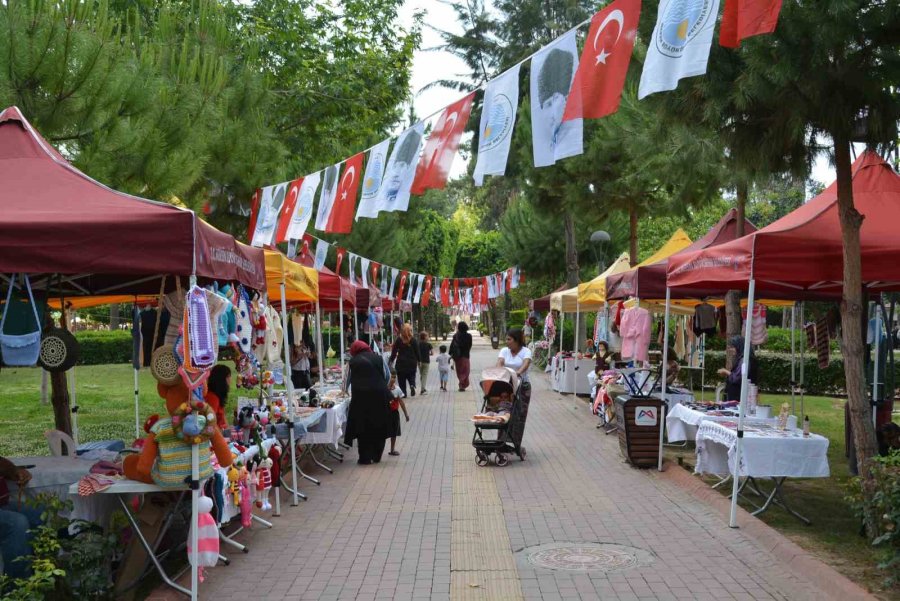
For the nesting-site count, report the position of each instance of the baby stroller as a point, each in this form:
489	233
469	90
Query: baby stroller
504	410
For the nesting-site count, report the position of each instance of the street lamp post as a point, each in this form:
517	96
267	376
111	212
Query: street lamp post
600	238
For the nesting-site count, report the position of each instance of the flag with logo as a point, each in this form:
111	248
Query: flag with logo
270	203
384	280
372	180
498	118
420	289
552	73
321	255
746	18
364	272
341	219
598	84
326	196
440	149
303	208
680	44
352	265
401	170
394	272
254	213
287	211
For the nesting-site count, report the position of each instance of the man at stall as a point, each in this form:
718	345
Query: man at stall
15	521
735	350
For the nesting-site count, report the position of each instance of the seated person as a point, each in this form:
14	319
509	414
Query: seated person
15	521
589	348
604	358
672	367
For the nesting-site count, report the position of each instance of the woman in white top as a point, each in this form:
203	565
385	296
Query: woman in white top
516	355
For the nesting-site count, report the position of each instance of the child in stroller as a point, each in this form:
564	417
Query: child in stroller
504	409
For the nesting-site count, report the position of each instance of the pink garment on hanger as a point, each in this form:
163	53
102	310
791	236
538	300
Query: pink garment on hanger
635	332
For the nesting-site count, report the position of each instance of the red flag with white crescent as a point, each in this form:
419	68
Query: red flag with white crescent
375	267
426	296
445	292
254	213
340	221
745	18
287	210
441	147
403	276
598	84
340	259
455	288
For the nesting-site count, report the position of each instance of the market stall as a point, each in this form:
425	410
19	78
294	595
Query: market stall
801	256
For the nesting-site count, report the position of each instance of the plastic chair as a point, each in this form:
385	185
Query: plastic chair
56	439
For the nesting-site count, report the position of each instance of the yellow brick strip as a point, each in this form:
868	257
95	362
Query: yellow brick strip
482	566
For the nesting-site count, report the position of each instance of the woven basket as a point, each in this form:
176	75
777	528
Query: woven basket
164	366
59	350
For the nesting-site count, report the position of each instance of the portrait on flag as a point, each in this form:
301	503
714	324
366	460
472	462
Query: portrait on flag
401	170
597	89
321	255
680	44
498	119
442	145
270	202
304	207
326	197
341	219
552	73
372	180
287	210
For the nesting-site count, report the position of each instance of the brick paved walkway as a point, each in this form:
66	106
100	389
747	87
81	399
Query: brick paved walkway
429	524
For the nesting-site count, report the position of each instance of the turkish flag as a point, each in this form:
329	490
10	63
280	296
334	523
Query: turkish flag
305	252
445	292
403	276
340	221
375	268
254	213
440	149
745	18
426	295
598	83
287	210
340	259
455	289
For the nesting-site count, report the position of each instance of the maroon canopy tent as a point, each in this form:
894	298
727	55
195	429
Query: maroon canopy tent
57	220
801	254
649	281
332	288
542	304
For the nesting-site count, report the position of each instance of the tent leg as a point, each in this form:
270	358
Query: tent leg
665	374
195	526
875	364
321	350
73	395
745	369
137	405
290	390
562	323
577	325
802	358
341	331
793	360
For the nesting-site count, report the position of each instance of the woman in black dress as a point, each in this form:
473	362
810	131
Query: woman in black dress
369	417
405	359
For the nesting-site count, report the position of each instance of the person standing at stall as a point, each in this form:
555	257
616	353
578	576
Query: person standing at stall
460	349
369	416
15	521
405	360
425	352
735	349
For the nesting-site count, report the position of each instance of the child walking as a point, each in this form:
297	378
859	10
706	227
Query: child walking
443	363
425	353
396	404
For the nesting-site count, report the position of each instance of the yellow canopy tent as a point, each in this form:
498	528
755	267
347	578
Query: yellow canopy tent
593	293
301	284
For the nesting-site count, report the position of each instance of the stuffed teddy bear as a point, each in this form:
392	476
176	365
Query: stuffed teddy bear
165	459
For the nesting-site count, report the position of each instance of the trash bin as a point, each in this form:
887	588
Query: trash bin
639	420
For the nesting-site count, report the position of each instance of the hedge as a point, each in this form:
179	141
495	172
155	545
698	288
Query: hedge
779	342
775	373
102	347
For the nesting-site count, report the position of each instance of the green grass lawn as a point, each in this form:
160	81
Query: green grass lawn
834	535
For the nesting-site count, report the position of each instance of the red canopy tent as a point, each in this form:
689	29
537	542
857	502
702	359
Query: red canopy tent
332	288
543	303
57	220
801	254
649	281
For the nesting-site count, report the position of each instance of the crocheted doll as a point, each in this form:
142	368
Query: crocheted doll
207	537
263	484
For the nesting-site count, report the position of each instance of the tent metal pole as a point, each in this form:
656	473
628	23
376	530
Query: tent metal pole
341	332
742	407
290	394
802	357
195	522
577	324
137	405
702	366
793	361
355	324
562	323
319	353
665	374
875	368
74	403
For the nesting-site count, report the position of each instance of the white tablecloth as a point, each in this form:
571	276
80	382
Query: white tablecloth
767	453
333	429
682	422
55	475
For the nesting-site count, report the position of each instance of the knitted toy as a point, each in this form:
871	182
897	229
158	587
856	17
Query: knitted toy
165	459
263	484
234	485
246	507
207	537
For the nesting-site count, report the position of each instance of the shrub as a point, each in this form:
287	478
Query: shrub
886	507
104	347
779	342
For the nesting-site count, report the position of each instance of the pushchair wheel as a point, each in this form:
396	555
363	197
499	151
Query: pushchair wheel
481	459
502	459
522	453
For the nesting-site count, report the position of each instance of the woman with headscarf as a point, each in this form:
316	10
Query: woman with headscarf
369	417
735	351
405	359
460	348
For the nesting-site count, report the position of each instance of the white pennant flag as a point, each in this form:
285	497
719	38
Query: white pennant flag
552	73
515	277
352	271
505	281
321	255
498	118
371	187
680	44
410	284
436	289
326	196
304	207
492	287
384	280
394	272
419	289
364	271
401	170
270	203
292	249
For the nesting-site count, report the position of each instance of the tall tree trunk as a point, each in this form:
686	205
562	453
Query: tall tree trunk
733	297
59	390
632	236
852	347
114	316
571	251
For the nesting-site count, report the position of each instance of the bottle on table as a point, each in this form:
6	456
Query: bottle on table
806	427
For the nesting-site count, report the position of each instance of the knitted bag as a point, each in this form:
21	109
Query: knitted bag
20	350
203	349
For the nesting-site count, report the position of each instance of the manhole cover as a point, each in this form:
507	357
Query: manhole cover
587	557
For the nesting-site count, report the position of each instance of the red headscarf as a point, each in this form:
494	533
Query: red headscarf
358	347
